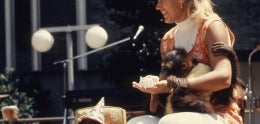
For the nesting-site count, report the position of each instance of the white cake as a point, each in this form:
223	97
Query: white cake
148	81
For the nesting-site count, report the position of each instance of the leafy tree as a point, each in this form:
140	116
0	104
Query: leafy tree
9	84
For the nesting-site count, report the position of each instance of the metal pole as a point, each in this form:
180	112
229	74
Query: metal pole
70	72
35	19
10	33
81	16
70	63
38	119
65	64
250	88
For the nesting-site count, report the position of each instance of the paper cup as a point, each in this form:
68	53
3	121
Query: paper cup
10	112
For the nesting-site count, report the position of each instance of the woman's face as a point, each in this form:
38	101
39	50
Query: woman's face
171	10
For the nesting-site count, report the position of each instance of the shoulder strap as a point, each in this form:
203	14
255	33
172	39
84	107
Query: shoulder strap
210	20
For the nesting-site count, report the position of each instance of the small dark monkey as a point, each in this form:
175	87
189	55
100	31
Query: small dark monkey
184	99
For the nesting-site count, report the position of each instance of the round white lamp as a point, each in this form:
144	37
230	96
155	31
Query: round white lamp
42	40
96	37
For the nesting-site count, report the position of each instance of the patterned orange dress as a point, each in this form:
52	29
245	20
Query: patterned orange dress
231	113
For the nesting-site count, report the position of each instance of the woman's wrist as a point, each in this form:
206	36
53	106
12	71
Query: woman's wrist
174	82
171	81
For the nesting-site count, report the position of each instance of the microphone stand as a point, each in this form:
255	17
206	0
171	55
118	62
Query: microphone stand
65	68
71	58
93	51
250	86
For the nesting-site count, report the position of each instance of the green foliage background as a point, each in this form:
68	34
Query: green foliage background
9	84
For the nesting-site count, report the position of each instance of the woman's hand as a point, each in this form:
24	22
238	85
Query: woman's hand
160	87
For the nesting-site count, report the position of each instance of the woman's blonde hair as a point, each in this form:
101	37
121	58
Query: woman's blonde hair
200	9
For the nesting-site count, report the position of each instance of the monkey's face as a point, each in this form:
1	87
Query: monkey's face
174	63
173	68
166	69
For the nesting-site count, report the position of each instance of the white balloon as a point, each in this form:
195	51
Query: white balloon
96	37
42	40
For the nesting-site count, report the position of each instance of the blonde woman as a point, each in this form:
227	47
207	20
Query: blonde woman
197	29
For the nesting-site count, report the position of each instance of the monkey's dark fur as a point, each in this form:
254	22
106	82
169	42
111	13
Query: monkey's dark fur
184	99
225	96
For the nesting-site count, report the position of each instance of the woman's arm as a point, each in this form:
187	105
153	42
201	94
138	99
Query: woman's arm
220	76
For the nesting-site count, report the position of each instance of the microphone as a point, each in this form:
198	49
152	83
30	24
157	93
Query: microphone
139	31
